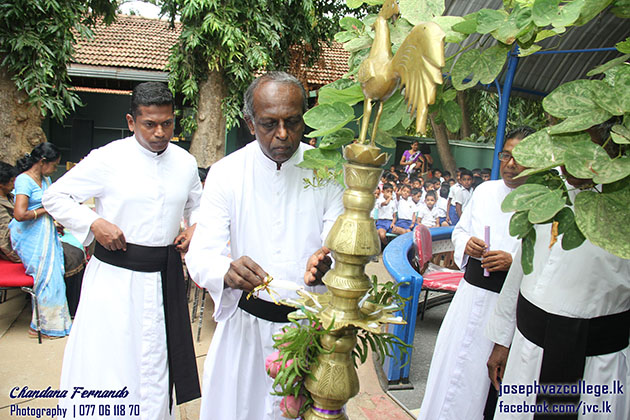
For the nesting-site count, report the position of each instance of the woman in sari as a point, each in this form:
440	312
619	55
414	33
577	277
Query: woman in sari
34	238
412	159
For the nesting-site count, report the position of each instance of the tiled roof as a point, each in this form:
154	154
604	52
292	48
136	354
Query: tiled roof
331	65
99	90
131	41
144	43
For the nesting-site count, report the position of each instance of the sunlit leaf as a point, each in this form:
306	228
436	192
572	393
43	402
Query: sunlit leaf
623	46
337	139
602	218
349	95
522	198
609	64
620	134
484	66
452	114
385	140
489	19
447	23
545	207
540	150
327	118
520	224
420	11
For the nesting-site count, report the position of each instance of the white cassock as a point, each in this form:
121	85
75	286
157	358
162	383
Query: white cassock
458	383
118	337
268	215
585	282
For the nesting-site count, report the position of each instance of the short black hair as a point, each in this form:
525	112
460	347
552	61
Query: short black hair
7	172
431	194
150	93
486	171
415	191
203	173
464	172
446	173
433	180
390	177
477	180
387	186
520	133
444	190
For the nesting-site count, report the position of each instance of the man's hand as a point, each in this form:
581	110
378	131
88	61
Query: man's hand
318	264
496	261
244	274
108	235
183	239
496	364
475	247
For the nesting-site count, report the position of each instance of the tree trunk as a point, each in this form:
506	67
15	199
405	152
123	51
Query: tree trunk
208	142
443	148
465	130
20	122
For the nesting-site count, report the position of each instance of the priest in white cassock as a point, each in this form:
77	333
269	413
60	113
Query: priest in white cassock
258	219
566	323
457	386
125	337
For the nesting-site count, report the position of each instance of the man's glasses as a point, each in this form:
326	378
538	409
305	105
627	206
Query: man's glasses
504	156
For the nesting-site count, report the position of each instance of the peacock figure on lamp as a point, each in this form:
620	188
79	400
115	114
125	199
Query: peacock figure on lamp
416	67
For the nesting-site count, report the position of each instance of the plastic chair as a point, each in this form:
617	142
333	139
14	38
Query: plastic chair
444	282
12	276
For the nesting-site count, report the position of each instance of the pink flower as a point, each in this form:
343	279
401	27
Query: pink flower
273	363
290	405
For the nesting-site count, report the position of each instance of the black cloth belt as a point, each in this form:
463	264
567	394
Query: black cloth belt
566	343
263	309
474	276
182	365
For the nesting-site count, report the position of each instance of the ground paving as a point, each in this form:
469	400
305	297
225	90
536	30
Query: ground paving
24	362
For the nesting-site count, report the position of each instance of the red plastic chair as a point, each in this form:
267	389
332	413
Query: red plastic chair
444	282
12	276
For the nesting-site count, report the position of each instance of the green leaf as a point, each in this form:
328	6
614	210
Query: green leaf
399	31
393	110
540	150
468	25
349	95
420	11
385	140
572	237
345	36
548	33
624	46
588	160
447	23
449	95
577	102
524	197
357	44
354	4
452	114
603	219
620	134
608	65
485	66
590	9
320	158
565	219
488	20
527	255
545	207
549	12
350	23
524	52
327	118
621	9
337	139
520	224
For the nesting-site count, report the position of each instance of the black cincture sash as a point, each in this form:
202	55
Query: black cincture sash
474	276
182	365
566	343
263	309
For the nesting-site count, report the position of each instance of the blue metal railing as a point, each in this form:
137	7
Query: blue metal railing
396	260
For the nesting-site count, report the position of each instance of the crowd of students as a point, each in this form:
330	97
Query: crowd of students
434	199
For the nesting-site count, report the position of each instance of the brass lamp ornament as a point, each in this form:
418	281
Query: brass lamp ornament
353	239
416	67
